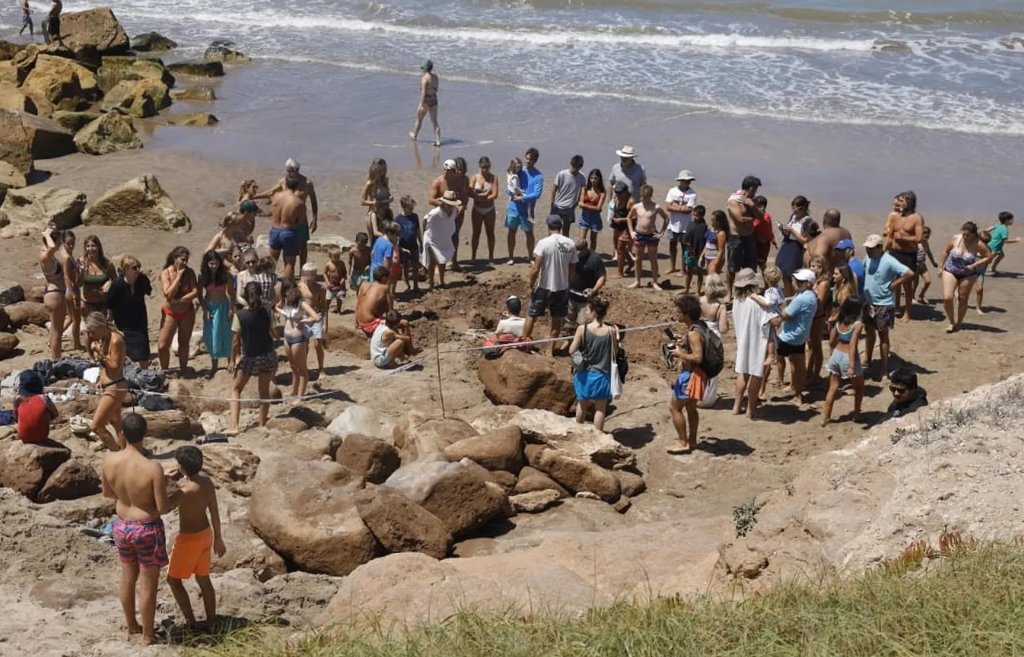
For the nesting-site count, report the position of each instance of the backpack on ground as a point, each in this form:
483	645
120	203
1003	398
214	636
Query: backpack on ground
714	351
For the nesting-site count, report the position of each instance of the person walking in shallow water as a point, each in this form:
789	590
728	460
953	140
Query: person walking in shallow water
26	20
428	102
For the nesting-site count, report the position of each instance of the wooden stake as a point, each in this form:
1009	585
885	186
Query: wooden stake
437	353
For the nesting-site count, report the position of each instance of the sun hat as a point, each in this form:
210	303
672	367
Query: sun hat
745	277
843	245
620	187
449	198
873	241
686	174
30	383
626	151
448	165
248	205
804	275
554	221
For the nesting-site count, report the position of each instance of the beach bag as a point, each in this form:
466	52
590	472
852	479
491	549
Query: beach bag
616	380
714	352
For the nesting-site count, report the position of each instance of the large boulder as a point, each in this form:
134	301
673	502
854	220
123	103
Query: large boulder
74	121
66	84
137	98
8	50
224	54
501	449
203	69
194	120
98	28
306	512
58	205
25	468
362	420
15	145
577	475
115	70
110	133
71	480
47	137
532	480
8	345
17	100
372	459
152	42
196	93
245	548
138	202
454	492
528	381
418	434
11	292
231	466
10	178
401	525
169	425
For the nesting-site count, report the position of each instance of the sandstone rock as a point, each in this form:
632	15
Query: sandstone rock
534	502
152	42
10	178
419	434
230	466
15	146
371	458
94	27
224	54
169	425
8	345
11	292
743	561
194	119
575	474
401	525
27	312
347	339
110	133
505	480
71	480
25	468
501	449
115	70
362	420
196	93
74	121
305	511
287	425
246	550
138	202
198	68
63	207
528	381
8	50
17	100
138	98
66	84
453	492
48	138
83	511
632	483
531	480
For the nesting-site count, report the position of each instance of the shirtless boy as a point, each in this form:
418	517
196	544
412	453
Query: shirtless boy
642	221
359	262
196	536
287	212
374	301
140	489
106	345
316	296
904	230
335	275
305	191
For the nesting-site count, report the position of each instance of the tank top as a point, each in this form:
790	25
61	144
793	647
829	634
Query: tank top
846	336
377	345
597	351
255	332
710	245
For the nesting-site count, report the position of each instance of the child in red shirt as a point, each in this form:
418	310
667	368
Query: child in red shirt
32	409
764	234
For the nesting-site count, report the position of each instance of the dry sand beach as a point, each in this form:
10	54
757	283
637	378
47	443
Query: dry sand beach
841	497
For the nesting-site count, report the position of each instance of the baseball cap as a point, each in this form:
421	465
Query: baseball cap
844	244
873	241
804	275
620	187
30	383
449	165
554	221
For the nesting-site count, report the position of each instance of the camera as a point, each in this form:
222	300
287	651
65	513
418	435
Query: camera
668	358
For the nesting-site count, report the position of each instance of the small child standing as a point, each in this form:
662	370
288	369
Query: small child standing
771	301
924	254
693	244
359	262
513	184
386	253
316	296
33	410
197	534
336	276
409	243
995	237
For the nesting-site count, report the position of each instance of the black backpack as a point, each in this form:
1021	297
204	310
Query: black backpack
714	351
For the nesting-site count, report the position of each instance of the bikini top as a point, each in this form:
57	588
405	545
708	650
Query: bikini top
95	279
847	335
57	276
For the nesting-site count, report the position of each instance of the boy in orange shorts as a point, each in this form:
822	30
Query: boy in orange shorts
197	535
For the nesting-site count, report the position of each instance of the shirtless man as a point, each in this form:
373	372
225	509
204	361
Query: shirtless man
106	346
140	489
287	212
428	102
824	245
306	191
450	179
642	221
374	301
741	249
904	230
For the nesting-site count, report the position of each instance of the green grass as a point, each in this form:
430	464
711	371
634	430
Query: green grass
970	603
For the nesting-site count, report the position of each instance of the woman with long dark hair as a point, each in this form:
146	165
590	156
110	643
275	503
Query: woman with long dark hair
216	298
180	287
597	342
965	257
794	236
98	274
592	203
298	315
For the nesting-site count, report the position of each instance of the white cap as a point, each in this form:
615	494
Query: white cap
291	165
873	241
449	165
804	275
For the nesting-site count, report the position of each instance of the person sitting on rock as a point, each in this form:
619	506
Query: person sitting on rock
374	301
509	330
33	410
391	342
907	397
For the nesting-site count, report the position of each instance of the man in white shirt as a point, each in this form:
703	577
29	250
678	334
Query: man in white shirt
512	324
554	257
680	202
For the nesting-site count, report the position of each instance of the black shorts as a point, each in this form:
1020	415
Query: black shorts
741	253
541	301
568	216
787	349
907	258
674	237
136	345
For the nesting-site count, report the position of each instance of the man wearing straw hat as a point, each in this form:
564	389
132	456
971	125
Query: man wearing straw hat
627	171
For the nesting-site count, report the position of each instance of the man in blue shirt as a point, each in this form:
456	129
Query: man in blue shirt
883	275
794	327
531	180
844	255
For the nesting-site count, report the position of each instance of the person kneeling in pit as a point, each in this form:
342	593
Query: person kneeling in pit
391	343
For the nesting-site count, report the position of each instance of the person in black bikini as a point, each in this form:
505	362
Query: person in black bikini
428	102
53	293
106	345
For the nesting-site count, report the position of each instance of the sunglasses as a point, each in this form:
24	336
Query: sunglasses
897	390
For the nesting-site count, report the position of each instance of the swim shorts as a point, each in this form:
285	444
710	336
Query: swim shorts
839	364
191	554
741	253
674	237
383	361
906	258
301	231
882	318
265	364
542	301
141	542
285	240
369	327
789	349
643	239
568	216
316	331
358	278
690	385
518	222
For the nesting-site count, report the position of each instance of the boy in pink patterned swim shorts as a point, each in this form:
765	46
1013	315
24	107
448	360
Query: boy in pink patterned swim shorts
140	488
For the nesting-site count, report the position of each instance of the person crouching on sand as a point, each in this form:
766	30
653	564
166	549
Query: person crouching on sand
197	534
391	342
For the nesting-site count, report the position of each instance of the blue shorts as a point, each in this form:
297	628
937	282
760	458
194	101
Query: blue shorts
590	385
647	240
682	382
591	220
357	279
316	331
518	222
302	232
284	240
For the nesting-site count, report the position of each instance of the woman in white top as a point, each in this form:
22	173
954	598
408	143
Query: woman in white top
438	228
750	322
716	317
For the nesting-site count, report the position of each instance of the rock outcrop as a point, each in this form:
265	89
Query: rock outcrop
139	202
15	146
8	345
401	525
71	480
501	449
576	475
60	206
25	468
46	137
137	98
372	459
152	42
528	381
224	54
418	434
115	70
74	121
199	68
97	28
196	93
110	133
194	119
64	83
